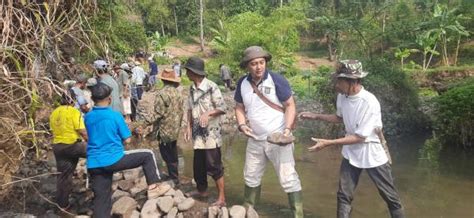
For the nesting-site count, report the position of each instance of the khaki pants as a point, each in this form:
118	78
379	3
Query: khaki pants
256	156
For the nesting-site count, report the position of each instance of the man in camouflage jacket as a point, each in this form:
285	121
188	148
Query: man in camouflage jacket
166	118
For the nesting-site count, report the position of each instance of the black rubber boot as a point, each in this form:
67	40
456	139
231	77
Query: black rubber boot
251	195
296	204
173	172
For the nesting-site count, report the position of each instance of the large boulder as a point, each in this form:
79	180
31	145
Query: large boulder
124	206
150	209
165	203
213	212
224	213
186	204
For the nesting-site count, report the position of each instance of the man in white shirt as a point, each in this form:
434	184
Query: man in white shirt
360	112
138	76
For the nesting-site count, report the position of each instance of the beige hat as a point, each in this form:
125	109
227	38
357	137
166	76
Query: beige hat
253	52
169	75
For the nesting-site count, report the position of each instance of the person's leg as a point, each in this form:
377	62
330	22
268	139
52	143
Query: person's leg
382	177
284	164
348	179
199	171
102	188
255	161
134	106
136	158
169	153
140	92
215	169
66	157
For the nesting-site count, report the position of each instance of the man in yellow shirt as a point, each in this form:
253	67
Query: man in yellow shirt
68	128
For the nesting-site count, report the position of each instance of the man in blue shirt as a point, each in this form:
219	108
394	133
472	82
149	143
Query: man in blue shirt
153	72
105	152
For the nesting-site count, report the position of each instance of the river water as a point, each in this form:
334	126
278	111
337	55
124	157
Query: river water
443	187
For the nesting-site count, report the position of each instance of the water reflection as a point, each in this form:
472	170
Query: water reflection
443	191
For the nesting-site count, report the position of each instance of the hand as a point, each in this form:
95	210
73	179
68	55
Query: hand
204	119
187	134
320	144
287	132
307	115
247	131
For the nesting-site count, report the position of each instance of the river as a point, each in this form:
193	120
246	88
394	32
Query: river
440	188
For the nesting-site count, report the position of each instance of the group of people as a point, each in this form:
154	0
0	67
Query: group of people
264	105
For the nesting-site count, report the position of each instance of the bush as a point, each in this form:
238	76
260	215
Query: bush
454	116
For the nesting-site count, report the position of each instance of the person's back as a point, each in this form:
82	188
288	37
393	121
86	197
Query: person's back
116	104
64	121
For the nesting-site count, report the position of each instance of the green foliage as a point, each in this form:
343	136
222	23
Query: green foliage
398	98
454	122
157	41
278	33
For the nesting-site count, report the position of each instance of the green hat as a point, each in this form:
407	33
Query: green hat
253	52
351	69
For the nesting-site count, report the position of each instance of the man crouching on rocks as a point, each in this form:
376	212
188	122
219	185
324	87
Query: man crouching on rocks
265	99
107	133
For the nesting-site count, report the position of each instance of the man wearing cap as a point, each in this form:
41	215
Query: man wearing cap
77	90
265	120
104	77
205	106
359	110
166	120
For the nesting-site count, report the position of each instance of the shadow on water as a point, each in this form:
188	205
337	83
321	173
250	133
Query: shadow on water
444	189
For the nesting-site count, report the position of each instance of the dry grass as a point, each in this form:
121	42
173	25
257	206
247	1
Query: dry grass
37	42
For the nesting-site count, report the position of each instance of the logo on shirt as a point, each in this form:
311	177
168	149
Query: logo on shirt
267	90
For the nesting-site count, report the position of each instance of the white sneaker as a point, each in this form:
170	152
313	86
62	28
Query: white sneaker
159	190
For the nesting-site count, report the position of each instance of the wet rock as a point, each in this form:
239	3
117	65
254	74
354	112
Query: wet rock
118	194
237	211
124	206
125	185
224	213
173	212
131	174
186	204
165	203
213	212
150	209
251	213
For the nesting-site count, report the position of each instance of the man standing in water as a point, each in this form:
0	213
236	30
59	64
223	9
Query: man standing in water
264	120
205	105
359	110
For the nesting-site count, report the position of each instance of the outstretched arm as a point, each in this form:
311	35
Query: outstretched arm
332	118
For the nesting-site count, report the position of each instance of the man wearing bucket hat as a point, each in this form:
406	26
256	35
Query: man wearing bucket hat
166	120
359	110
205	106
265	99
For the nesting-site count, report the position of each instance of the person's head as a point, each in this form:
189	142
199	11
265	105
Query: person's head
81	80
101	66
116	68
348	76
168	76
195	68
101	94
91	82
67	98
255	60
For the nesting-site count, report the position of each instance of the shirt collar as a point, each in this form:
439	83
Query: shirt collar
265	76
101	107
204	86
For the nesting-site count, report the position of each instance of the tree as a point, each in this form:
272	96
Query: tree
201	11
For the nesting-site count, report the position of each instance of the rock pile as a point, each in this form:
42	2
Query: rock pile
236	211
131	184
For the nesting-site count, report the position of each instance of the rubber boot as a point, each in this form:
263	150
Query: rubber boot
343	210
398	213
173	172
251	195
296	203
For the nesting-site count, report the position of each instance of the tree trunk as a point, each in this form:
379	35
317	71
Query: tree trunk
457	51
175	20
445	51
162	29
331	50
281	3
201	11
431	56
